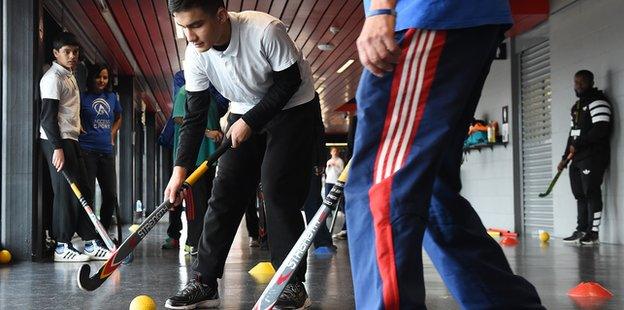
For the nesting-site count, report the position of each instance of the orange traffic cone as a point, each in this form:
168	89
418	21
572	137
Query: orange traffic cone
590	295
509	241
590	289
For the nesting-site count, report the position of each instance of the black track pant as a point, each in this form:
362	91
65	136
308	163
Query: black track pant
68	217
201	193
101	166
585	179
281	156
251	218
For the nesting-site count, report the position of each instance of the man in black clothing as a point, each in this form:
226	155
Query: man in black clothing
250	59
588	149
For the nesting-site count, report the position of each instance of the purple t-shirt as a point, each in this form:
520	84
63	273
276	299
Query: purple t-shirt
97	114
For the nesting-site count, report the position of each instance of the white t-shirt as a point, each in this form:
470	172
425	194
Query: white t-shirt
60	84
259	45
333	170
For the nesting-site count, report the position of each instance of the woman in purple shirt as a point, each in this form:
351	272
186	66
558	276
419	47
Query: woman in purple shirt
100	114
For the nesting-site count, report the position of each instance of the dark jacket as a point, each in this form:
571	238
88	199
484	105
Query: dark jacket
591	127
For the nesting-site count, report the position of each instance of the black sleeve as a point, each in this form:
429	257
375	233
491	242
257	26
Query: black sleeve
193	126
597	133
49	121
285	85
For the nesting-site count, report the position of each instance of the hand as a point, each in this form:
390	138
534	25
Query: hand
376	46
58	159
239	132
113	138
175	183
572	151
562	165
214	135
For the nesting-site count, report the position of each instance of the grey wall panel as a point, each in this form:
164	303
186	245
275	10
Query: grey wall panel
536	130
18	124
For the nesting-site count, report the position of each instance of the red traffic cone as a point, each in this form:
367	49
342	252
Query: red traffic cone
509	241
590	289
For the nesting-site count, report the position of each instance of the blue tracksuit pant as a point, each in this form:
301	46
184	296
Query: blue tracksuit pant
403	189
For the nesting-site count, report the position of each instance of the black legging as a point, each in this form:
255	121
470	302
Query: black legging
101	166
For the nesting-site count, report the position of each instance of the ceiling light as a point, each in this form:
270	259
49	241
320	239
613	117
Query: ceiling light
326	46
334	29
345	66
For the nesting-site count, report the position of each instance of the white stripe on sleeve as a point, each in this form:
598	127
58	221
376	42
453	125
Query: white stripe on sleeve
601	118
597	103
600	109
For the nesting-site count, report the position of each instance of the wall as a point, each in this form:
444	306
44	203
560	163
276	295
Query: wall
487	176
586	34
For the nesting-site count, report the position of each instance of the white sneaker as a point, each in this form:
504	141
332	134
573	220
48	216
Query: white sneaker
96	250
65	252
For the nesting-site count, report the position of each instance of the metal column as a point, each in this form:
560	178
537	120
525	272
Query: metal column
19	125
138	154
150	163
126	147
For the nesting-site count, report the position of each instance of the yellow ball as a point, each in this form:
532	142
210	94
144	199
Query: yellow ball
143	302
544	236
5	257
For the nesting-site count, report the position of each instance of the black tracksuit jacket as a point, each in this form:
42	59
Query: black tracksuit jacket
591	127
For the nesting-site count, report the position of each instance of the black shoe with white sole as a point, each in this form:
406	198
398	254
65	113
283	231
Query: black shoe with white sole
589	238
576	236
294	296
194	295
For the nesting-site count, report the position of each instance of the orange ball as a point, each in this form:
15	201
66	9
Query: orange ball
143	302
5	257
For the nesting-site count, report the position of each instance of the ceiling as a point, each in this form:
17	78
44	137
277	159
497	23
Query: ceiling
138	37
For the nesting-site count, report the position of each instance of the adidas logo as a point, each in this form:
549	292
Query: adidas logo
586	171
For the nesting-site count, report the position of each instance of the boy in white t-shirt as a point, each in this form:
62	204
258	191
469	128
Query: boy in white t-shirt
251	60
58	133
334	167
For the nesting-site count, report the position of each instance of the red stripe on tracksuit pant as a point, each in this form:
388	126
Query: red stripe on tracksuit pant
407	122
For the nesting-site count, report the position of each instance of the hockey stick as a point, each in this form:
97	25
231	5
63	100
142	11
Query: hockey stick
118	218
554	180
90	283
98	226
288	267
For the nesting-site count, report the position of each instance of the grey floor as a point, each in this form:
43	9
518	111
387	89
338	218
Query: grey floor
552	268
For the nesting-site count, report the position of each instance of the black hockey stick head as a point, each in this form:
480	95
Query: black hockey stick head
90	283
83	278
124	252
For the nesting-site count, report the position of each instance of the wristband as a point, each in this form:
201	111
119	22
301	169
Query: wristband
381	12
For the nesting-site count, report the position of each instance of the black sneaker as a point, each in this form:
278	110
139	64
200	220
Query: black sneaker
294	296
590	238
575	237
194	296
